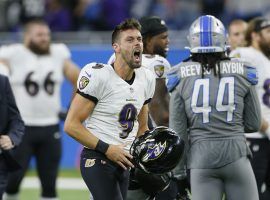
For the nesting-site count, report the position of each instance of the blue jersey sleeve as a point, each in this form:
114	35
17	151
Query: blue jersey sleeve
252	75
172	79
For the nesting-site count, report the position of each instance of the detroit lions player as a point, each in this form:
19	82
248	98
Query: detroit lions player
112	100
37	69
214	101
258	53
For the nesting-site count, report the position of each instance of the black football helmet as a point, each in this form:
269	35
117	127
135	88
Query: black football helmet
157	151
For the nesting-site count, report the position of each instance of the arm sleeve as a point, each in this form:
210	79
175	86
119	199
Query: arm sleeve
178	122
252	111
15	122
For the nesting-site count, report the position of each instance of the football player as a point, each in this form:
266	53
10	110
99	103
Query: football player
112	100
257	52
214	102
156	46
37	69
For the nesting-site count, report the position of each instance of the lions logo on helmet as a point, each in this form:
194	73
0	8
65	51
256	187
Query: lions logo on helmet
207	34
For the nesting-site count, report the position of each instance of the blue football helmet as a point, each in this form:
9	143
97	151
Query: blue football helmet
207	34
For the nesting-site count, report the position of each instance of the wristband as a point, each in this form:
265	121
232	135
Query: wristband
102	146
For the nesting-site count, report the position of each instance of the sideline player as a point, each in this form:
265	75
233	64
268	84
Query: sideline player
37	69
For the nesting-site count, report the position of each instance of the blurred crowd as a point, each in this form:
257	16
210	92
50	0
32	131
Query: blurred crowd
76	15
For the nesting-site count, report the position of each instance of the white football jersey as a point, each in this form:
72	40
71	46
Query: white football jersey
262	64
36	82
118	103
155	63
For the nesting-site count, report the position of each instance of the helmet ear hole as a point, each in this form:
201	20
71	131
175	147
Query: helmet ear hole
157	151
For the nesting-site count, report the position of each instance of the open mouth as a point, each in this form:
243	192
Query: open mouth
137	55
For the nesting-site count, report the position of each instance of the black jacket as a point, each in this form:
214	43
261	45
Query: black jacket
11	122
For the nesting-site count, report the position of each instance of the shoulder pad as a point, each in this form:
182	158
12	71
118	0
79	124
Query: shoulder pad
252	74
172	78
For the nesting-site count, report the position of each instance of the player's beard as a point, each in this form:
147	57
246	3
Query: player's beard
265	47
159	50
130	61
39	50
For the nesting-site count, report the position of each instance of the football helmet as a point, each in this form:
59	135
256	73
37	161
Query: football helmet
157	151
207	34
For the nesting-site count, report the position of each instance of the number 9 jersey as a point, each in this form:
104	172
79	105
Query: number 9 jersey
118	103
36	81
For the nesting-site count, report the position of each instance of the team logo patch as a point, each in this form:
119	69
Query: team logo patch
83	82
89	162
154	152
159	70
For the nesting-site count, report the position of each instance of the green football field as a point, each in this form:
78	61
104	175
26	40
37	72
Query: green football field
33	194
64	194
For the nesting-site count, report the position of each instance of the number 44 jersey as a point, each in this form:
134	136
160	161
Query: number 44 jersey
36	81
216	110
118	103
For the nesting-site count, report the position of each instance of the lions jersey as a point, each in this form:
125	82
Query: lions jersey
118	103
36	82
262	63
216	110
155	63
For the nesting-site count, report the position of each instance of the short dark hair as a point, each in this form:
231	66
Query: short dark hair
130	23
256	25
